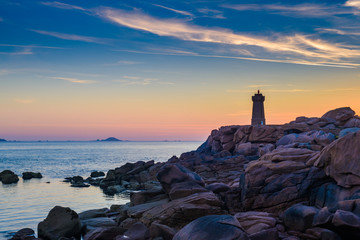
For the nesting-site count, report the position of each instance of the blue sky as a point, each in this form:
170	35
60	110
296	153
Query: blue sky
179	54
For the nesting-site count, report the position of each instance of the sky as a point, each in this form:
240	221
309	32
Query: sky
171	70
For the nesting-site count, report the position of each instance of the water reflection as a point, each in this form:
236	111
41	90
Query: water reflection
26	203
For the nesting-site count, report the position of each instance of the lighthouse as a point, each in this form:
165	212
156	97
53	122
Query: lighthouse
258	114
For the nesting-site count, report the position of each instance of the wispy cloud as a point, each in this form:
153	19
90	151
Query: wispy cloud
63	5
24	101
338	31
272	91
185	13
304	10
211	13
29	46
340	89
75	80
73	37
313	51
258	86
133	80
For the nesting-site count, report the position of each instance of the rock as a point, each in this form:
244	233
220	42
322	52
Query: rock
353	122
347	224
265	134
93	223
9	178
312	137
218	187
184	189
299	217
127	223
322	217
170	174
340	115
160	230
94	213
243	149
141	197
268	234
138	210
181	211
24	234
341	160
213	227
278	180
6	172
97	174
138	231
101	233
60	222
111	190
80	185
254	222
323	233
346	131
30	175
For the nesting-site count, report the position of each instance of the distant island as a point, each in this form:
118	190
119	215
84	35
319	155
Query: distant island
2	140
110	139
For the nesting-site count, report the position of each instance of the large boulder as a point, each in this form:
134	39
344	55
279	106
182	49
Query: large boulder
60	222
299	217
254	222
265	134
181	211
178	181
341	160
340	115
213	227
102	233
278	180
137	231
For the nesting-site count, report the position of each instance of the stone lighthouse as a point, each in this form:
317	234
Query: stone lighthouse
258	114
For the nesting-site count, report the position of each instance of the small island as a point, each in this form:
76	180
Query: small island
110	139
2	140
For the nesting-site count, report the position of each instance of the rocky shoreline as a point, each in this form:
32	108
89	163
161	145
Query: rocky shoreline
299	180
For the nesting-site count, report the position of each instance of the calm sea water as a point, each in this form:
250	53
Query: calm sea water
26	203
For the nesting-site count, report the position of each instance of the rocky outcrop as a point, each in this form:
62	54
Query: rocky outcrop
60	222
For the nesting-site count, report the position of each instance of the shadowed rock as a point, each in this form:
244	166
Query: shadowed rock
213	227
60	222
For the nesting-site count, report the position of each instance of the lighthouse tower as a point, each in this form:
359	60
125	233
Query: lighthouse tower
258	114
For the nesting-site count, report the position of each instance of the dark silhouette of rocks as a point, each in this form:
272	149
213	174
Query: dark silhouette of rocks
299	180
8	177
2	140
30	175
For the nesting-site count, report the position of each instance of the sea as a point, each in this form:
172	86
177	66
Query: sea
26	203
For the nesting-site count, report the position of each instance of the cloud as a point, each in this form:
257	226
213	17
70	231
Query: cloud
73	37
1	19
63	6
272	91
74	80
313	51
132	80
29	46
24	101
258	86
211	13
338	31
304	10
353	3
185	13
